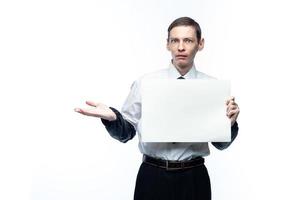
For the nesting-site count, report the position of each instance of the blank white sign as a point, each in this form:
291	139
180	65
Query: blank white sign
190	110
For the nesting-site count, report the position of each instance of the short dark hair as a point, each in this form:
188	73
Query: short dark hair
185	21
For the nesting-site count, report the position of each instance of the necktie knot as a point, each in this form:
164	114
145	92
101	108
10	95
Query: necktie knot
180	77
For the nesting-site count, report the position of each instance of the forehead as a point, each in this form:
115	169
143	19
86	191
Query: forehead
183	32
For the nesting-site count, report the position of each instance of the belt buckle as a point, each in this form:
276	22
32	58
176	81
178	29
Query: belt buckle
167	166
176	168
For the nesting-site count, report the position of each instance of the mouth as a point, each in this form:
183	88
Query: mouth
181	57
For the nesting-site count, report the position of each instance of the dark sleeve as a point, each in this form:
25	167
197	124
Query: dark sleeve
224	145
120	128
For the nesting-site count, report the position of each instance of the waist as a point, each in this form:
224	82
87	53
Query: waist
181	150
173	165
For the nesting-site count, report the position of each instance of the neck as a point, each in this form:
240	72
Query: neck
183	69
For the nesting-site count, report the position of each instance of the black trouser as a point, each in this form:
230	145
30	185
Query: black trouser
154	183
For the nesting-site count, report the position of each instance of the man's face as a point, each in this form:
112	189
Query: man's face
183	45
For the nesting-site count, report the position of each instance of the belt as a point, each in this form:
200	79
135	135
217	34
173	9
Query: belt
173	165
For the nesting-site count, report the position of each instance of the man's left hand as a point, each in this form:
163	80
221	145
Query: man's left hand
232	110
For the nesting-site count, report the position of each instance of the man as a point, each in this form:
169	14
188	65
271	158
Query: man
170	171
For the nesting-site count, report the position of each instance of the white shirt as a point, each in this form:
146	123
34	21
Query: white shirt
131	111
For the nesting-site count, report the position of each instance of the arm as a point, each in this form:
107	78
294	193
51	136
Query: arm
124	127
120	128
224	145
114	122
120	125
232	113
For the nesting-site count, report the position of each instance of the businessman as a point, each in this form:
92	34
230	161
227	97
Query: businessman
169	171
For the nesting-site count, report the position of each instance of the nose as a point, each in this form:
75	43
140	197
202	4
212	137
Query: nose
181	46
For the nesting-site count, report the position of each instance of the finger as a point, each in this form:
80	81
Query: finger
81	111
232	103
89	112
77	110
92	103
229	100
231	107
232	113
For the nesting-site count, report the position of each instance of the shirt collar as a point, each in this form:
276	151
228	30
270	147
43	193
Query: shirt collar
174	74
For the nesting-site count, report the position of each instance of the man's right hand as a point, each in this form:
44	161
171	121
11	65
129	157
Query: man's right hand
97	110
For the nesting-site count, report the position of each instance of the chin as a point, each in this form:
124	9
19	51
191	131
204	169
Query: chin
182	64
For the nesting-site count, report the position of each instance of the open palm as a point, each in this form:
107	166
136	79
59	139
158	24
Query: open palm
97	110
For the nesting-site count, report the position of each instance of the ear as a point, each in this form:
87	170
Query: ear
167	45
201	44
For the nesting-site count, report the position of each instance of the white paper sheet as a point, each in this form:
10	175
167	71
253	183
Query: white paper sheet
190	110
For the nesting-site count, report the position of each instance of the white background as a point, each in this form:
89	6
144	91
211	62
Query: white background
56	54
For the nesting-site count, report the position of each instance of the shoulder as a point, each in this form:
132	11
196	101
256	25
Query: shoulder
163	73
201	75
159	74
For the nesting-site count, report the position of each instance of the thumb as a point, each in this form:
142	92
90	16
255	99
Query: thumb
92	103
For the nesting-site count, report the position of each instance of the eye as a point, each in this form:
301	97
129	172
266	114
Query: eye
173	40
187	40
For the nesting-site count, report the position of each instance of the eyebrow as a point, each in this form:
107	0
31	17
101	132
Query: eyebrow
175	38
